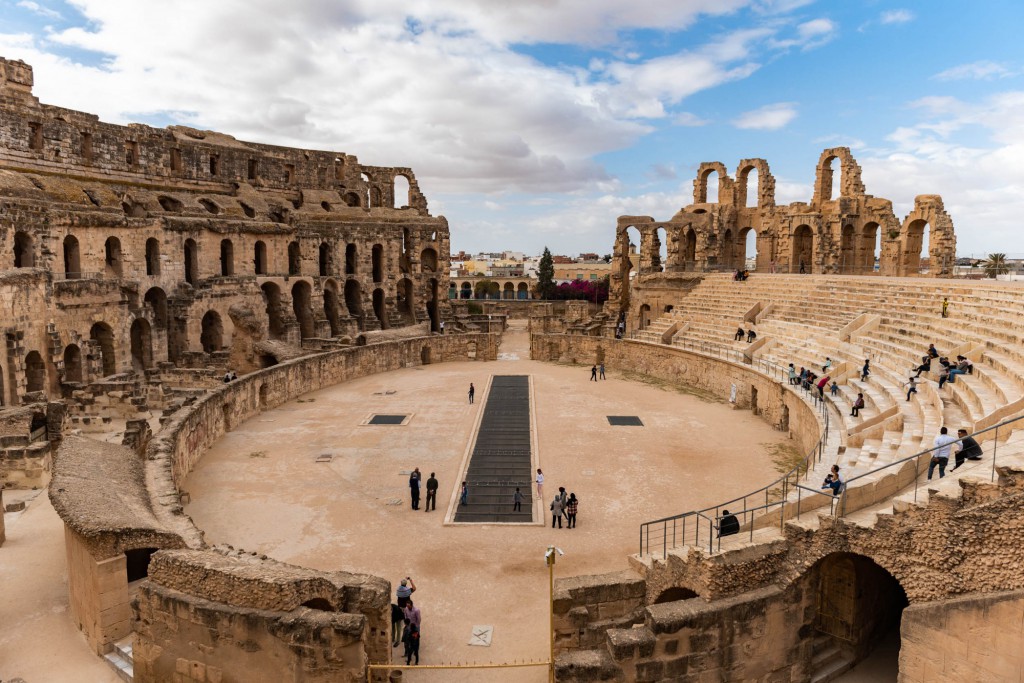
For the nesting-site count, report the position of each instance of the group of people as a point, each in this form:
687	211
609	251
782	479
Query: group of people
405	621
741	275
230	376
808	379
414	490
969	449
740	332
563	506
950	369
595	370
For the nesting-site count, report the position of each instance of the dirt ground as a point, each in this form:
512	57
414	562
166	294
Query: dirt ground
260	488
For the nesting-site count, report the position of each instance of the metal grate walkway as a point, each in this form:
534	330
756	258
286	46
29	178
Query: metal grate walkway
501	456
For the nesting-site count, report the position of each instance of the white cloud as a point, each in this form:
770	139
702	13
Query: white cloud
896	16
809	35
768	117
36	8
685	118
980	70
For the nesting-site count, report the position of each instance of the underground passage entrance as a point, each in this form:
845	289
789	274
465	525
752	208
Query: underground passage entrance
858	608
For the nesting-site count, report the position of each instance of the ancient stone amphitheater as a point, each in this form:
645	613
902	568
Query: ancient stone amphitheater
123	298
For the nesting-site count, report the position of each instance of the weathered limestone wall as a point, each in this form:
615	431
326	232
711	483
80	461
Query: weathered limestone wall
97	592
975	638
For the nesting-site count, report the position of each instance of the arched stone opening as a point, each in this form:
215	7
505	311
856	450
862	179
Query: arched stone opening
748	244
112	257
401	192
152	256
352	199
294	259
324	260
466	291
915	247
351	259
212	336
523	291
708	183
141	335
425	355
858	605
191	261
508	291
331	307
354	302
321	604
303	308
690	248
156	300
104	337
645	317
428	261
675	594
831	180
750	185
803	250
35	372
72	363
72	258
259	259
870	248
847	250
659	251
377	260
405	299
24	253
380	308
432	310
227	258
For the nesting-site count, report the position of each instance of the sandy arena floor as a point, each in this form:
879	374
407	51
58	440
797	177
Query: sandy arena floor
260	489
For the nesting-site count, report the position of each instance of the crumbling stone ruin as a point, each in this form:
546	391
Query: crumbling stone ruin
127	252
826	235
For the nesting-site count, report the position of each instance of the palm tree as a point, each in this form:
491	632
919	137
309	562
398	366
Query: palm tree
995	265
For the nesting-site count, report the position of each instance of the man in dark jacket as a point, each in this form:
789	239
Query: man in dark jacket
728	525
969	448
431	493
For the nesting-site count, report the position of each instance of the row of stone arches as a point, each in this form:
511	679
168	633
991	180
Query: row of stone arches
507	291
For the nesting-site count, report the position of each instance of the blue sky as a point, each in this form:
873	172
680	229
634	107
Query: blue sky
536	123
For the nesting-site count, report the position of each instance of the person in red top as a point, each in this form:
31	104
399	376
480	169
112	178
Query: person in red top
570	510
822	383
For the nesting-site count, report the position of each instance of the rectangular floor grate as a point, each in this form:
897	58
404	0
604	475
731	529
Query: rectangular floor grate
387	419
624	421
500	460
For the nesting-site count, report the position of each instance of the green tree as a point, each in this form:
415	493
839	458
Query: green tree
546	275
486	289
995	264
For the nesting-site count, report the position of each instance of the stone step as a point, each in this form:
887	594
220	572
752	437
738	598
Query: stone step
124	648
122	667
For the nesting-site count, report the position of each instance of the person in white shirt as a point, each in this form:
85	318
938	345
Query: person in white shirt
940	456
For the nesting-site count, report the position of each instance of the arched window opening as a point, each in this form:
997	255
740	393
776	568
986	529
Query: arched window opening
660	251
72	364
137	563
354	302
275	320
711	182
645	317
141	345
24	256
170	204
631	255
401	192
523	291
508	291
466	291
377	258
259	258
112	257
331	308
351	259
152	256
428	260
871	248
156	301
104	338
191	261
72	258
294	259
247	210
302	307
915	248
748	237
380	308
212	336
210	206
325	259
227	258
35	372
833	172
753	198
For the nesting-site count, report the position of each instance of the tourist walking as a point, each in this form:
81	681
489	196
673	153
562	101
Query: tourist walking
472	393
517	501
397	621
405	591
803	268
822	383
945	307
940	456
464	496
431	493
969	448
865	371
792	374
593	374
414	488
601	369
857	406
411	638
556	512
412	613
540	485
834	389
571	506
911	386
